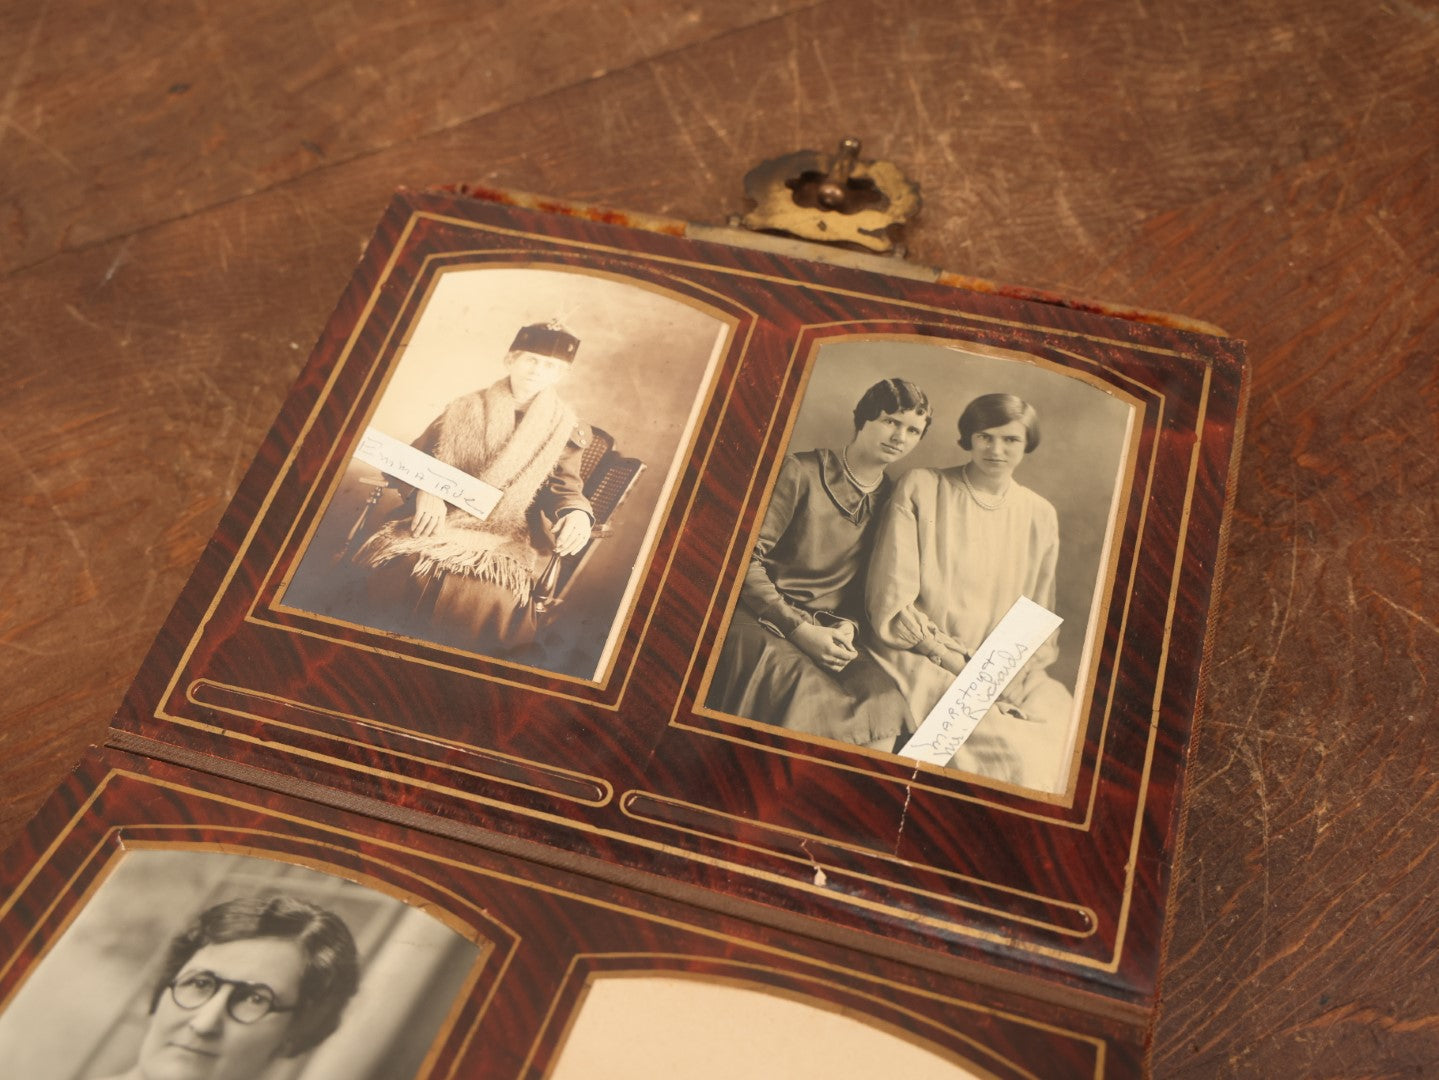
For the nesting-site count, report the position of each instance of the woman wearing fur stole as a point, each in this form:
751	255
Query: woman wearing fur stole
465	580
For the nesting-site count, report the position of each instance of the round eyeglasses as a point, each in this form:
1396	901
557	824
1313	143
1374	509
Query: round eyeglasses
247	1002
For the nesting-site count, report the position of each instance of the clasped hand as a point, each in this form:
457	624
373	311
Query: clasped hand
949	653
830	647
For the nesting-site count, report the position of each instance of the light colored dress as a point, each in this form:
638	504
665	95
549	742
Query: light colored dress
807	566
944	564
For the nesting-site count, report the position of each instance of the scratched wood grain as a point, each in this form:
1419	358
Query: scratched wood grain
220	101
1265	165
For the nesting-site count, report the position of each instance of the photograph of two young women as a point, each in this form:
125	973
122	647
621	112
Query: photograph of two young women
924	490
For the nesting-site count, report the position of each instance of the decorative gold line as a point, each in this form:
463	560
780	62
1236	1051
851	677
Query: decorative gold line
1182	536
833	290
726	322
948	314
260	620
604	785
595	972
1125	607
1124	490
626	805
755	471
254	526
49	852
370	770
66	920
628	797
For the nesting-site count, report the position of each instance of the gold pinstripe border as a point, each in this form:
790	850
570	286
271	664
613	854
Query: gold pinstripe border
954	320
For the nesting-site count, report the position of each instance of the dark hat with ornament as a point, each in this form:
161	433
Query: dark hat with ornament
547	339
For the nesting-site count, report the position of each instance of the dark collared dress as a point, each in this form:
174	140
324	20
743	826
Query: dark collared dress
808	565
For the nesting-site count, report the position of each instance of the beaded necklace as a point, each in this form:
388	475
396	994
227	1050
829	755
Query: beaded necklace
996	504
844	464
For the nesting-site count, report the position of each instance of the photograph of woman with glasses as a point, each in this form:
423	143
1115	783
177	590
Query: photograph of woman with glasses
197	964
250	980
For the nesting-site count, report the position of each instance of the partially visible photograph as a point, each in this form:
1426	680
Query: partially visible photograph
509	485
926	488
195	965
636	1026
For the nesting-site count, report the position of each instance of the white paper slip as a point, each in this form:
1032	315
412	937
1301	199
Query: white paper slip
1025	627
419	469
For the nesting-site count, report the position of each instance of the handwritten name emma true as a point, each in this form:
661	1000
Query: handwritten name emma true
427	473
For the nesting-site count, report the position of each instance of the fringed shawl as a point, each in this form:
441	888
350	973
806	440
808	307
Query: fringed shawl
478	433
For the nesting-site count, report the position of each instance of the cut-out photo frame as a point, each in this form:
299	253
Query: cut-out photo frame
925	487
192	962
682	1027
513	472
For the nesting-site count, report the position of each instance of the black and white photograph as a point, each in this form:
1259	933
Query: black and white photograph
510	482
206	965
925	489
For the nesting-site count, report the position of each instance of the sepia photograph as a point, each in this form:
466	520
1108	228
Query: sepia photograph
509	485
682	1027
927	490
206	965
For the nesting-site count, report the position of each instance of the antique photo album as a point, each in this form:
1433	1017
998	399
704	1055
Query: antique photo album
624	617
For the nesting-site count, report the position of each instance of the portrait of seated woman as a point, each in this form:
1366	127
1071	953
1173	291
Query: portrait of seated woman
250	980
794	653
956	548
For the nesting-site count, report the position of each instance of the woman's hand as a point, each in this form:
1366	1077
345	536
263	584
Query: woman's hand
572	532
951	659
947	652
430	513
831	648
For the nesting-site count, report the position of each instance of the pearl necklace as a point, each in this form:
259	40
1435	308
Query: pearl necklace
844	464
996	504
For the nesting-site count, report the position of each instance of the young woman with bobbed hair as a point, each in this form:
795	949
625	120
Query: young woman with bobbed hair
956	548
792	656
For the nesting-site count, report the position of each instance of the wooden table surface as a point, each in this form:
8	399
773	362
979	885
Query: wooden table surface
185	188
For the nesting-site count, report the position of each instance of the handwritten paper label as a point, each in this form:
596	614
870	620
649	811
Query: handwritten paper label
419	469
1025	627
